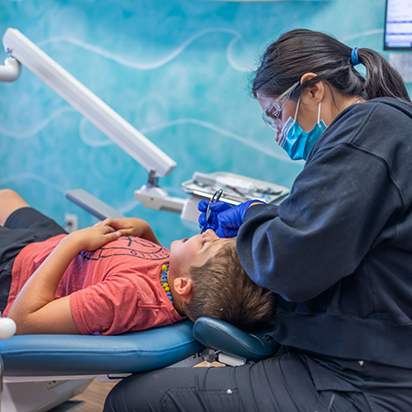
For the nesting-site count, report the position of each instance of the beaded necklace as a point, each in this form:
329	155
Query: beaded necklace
163	282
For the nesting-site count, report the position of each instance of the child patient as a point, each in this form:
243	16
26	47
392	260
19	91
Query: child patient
116	277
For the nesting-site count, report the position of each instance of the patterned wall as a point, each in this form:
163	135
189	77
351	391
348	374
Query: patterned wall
177	70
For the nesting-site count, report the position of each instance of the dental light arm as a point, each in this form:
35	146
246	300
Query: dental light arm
22	51
155	161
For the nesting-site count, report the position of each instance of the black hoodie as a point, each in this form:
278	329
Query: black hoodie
338	250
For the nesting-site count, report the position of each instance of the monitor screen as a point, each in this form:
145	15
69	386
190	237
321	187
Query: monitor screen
398	25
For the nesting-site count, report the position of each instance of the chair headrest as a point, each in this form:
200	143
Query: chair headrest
220	335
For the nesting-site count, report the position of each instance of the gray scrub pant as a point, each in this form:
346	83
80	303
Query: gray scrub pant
282	383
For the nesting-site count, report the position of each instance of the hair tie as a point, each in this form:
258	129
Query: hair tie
354	56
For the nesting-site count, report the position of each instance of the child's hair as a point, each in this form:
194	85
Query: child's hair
304	51
223	290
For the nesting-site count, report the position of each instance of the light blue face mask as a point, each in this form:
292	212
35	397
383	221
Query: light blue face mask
296	142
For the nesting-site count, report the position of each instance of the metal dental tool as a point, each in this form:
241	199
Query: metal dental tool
215	198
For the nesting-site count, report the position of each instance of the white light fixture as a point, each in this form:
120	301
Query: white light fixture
10	71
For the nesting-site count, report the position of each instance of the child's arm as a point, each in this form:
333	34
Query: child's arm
131	226
35	310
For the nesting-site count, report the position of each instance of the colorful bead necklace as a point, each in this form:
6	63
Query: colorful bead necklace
163	282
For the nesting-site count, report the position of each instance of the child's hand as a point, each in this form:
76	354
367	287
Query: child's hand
131	226
94	237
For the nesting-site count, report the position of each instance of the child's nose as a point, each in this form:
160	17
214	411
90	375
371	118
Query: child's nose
208	234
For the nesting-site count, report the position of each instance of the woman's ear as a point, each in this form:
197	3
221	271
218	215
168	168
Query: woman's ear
314	93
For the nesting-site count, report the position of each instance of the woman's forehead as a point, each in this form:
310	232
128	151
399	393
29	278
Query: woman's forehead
265	101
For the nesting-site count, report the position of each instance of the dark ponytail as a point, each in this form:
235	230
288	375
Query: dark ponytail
381	78
303	51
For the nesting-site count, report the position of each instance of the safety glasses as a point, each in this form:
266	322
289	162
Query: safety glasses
271	115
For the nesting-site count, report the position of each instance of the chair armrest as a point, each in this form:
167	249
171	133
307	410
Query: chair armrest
219	335
92	204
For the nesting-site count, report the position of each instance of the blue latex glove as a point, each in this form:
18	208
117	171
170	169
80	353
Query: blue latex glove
215	209
224	220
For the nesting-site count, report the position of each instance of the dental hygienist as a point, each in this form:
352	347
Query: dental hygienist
337	251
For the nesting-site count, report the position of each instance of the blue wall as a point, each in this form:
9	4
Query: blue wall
176	70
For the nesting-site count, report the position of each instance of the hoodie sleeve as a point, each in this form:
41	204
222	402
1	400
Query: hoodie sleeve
322	231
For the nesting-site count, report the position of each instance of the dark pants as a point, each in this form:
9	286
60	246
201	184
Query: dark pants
24	226
279	384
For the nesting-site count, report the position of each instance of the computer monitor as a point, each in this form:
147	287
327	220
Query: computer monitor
398	25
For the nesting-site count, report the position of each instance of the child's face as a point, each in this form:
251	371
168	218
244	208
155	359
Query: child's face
193	252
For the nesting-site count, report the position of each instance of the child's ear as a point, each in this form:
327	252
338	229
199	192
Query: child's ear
183	287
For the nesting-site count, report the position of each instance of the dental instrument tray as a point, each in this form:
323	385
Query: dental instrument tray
236	188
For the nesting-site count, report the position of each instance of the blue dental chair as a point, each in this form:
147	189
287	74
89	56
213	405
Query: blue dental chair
42	372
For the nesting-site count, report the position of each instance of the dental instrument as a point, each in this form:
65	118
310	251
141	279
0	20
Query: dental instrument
215	198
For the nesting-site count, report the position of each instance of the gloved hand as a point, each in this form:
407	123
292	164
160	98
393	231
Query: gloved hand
224	220
215	208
